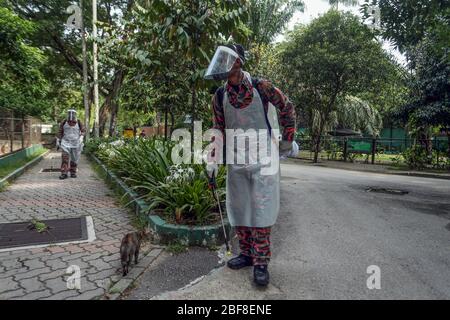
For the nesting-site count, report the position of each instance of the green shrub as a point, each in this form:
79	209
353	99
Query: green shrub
416	157
180	190
91	147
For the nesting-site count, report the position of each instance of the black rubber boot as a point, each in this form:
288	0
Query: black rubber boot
240	262
73	175
261	276
63	176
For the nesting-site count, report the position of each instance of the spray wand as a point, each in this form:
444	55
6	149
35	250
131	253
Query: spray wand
212	183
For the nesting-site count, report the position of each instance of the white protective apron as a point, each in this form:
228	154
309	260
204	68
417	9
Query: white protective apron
70	142
253	198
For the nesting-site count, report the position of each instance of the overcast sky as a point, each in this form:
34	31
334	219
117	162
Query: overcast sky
315	8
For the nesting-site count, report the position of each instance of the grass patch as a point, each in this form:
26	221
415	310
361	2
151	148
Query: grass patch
5	170
139	222
38	226
176	247
213	248
4	186
115	290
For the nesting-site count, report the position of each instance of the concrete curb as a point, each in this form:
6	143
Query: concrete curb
163	231
391	172
18	172
119	288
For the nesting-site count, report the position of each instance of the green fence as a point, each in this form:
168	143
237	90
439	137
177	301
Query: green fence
19	155
370	150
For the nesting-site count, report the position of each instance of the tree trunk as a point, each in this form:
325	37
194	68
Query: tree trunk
13	129
104	111
166	115
113	119
110	105
193	116
172	121
317	141
22	131
448	140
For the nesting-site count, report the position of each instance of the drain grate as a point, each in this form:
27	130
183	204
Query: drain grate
13	235
51	170
387	191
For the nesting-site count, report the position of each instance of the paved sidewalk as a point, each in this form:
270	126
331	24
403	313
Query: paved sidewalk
40	273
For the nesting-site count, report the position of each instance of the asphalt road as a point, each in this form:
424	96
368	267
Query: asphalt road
331	229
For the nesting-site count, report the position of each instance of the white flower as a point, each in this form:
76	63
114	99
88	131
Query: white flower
117	143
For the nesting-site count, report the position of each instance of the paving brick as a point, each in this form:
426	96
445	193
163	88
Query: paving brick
95	256
56	285
52	275
29	274
90	295
74	249
12	294
8	284
57	249
11	264
100	265
63	295
78	262
34	264
73	256
57	264
7	274
32	284
36	295
102	275
112	257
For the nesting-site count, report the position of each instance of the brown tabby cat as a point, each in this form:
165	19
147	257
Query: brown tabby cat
131	244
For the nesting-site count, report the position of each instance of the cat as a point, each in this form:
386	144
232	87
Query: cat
129	248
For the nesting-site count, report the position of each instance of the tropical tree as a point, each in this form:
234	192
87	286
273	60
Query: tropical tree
63	47
358	115
266	20
407	22
422	32
334	57
23	87
429	103
186	34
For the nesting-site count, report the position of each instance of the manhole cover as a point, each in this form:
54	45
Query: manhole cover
387	190
51	170
22	234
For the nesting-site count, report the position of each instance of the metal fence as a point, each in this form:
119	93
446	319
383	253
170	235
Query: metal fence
17	134
370	150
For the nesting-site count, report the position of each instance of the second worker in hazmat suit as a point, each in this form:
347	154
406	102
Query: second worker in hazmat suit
70	141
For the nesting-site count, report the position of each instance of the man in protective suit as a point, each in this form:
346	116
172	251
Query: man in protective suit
70	141
253	198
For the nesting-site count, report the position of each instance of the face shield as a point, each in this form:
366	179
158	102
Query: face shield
72	115
221	64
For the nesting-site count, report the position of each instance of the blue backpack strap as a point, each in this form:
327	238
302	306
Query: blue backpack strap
220	95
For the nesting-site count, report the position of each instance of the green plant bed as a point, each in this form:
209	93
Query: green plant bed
163	231
9	172
20	159
205	236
